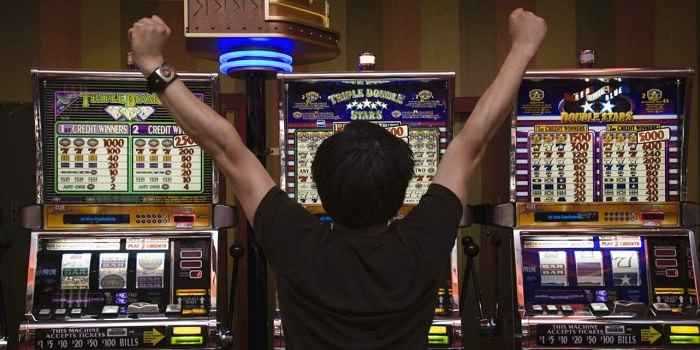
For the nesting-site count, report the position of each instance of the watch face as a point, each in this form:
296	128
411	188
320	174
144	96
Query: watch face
166	71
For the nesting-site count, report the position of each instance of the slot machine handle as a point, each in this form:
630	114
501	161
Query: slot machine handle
226	333
472	325
236	251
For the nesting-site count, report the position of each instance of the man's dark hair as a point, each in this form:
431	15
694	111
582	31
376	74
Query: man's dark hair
361	174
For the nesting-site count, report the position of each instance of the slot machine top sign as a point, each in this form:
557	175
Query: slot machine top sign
415	107
611	136
104	140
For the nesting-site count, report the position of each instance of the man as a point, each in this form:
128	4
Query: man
365	281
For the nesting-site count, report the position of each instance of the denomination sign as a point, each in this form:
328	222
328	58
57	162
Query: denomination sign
100	338
598	335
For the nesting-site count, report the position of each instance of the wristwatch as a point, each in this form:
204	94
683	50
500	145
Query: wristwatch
161	78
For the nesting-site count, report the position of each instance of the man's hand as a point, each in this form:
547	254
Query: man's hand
527	31
148	37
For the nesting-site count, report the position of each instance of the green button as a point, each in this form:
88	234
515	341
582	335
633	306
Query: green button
438	340
187	340
685	339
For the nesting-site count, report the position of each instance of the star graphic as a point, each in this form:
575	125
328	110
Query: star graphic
587	107
625	281
383	105
350	105
607	106
366	103
373	105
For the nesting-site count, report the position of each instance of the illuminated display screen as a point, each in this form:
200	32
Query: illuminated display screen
599	140
109	141
582	269
93	272
416	110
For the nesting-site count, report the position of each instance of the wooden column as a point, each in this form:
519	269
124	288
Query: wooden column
401	34
59	25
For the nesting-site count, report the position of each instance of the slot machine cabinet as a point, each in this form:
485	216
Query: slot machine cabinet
125	250
416	107
602	249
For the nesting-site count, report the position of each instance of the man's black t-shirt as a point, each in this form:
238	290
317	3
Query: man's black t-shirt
353	289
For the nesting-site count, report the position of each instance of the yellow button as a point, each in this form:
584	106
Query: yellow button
685	330
195	311
187	330
190	292
438	330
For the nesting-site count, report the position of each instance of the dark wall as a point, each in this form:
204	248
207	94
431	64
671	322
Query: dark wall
16	191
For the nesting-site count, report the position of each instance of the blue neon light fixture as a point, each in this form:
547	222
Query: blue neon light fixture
254	60
250	54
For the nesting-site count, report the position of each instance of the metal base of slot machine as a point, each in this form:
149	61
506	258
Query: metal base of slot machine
121	290
649	299
601	287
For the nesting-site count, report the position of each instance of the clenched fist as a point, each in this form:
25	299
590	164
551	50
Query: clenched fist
148	37
527	31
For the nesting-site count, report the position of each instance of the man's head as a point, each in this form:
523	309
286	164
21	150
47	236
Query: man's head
361	174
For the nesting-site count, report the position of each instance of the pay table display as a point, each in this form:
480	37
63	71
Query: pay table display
412	107
608	140
111	145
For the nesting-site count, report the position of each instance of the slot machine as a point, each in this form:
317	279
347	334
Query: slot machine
602	245
125	249
413	106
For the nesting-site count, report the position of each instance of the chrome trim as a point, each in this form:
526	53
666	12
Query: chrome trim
529	322
39	154
171	250
693	247
214	263
282	108
518	261
115	75
365	75
31	276
607	72
216	177
124	323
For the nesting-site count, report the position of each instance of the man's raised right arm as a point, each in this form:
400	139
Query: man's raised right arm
467	148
